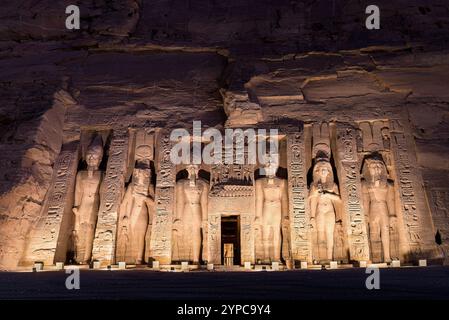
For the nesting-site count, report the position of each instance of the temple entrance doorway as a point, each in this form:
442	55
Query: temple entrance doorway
230	240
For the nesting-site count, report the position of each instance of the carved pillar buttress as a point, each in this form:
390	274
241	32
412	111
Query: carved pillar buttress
350	191
112	190
48	241
297	195
160	244
418	225
439	202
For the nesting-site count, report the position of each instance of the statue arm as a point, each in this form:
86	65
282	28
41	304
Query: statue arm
284	203
259	199
313	201
150	209
179	196
124	206
78	193
204	199
366	201
391	201
338	205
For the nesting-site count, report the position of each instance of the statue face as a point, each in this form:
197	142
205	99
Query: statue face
192	170
271	166
270	169
141	177
323	172
93	158
376	169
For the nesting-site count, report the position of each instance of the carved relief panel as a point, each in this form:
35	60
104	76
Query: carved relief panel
49	241
137	208
439	202
160	245
112	191
417	223
350	189
297	194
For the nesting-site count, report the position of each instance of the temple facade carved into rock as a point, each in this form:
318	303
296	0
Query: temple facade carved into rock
344	190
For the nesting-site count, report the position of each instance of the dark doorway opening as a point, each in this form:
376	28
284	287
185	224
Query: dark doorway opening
230	234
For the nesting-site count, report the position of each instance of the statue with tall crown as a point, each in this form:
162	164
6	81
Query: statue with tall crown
271	209
87	202
379	206
136	214
189	225
325	208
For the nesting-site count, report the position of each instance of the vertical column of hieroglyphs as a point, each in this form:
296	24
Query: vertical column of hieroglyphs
214	213
297	195
112	190
350	190
439	201
165	197
46	240
417	220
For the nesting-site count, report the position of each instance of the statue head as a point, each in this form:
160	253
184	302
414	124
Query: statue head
144	153
323	173
192	170
385	132
141	180
141	176
271	165
94	153
374	168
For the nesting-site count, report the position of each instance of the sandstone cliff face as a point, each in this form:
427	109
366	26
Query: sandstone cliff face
167	60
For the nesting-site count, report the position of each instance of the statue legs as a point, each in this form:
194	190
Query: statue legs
385	236
277	243
325	234
89	242
85	234
139	241
271	238
196	244
380	237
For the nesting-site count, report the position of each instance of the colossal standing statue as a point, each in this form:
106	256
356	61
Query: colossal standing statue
191	196
136	213
271	210
379	206
325	208
87	201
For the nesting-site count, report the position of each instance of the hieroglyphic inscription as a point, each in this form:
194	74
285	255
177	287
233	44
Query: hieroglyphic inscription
111	195
166	174
439	201
214	239
417	221
297	194
160	245
247	238
350	189
46	242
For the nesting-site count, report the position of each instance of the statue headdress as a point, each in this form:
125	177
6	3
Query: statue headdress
96	146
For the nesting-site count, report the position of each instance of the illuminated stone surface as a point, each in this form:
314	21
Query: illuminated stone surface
135	72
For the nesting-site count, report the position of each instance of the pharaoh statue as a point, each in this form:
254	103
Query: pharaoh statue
87	201
379	206
136	214
271	210
191	196
325	208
